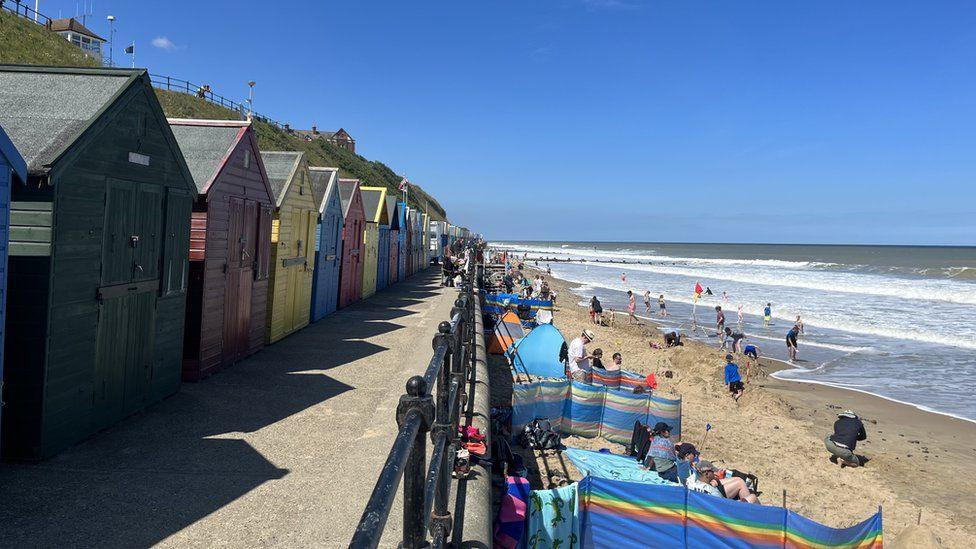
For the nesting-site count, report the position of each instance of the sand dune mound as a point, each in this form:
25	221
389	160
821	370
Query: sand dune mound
917	537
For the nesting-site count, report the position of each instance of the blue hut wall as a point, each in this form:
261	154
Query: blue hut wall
402	257
383	258
328	256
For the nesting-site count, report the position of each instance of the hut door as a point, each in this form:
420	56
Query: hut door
127	299
232	280
249	253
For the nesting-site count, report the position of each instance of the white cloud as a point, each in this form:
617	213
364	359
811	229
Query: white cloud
165	44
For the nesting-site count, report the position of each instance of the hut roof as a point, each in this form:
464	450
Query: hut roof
374	204
391	213
207	145
281	167
324	183
347	189
47	109
72	24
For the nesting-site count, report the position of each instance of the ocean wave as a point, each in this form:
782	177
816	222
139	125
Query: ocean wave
860	284
831	323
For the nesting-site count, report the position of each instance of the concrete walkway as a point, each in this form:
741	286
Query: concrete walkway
282	449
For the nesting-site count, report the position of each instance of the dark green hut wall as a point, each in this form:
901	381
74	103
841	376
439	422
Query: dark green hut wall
77	269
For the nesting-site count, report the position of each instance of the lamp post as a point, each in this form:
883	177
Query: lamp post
111	38
250	99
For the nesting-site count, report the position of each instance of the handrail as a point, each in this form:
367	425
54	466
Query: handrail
433	403
203	91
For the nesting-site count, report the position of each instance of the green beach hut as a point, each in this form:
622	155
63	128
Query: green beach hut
98	254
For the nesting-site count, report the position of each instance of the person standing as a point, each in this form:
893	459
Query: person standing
799	324
719	320
733	379
848	430
579	361
740	317
768	315
596	310
631	306
662	306
791	347
647	302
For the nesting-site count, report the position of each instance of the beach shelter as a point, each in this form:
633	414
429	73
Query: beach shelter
379	216
374	211
13	171
328	241
393	214
351	273
538	352
99	250
292	244
507	330
403	251
230	244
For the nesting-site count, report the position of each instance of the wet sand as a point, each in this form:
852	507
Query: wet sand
918	461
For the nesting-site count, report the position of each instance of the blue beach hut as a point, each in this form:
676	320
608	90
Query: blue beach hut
12	168
328	241
383	246
404	229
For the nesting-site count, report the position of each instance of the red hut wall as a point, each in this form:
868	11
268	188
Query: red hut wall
351	279
229	254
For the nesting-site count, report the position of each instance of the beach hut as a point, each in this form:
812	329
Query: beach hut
230	239
393	214
402	251
374	211
351	273
13	171
378	216
425	230
328	241
418	252
98	254
292	244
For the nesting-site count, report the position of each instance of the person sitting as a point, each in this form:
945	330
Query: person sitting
610	319
508	281
672	339
617	362
702	479
597	362
848	429
660	455
733	379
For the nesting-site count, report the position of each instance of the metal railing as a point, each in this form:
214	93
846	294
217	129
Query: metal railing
426	493
204	92
18	7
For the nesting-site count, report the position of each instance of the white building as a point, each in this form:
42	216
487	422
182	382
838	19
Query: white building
76	33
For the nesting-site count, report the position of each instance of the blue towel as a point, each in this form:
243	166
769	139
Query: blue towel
612	466
553	518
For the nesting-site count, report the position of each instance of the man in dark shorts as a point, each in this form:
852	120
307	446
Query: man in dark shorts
719	320
791	342
733	379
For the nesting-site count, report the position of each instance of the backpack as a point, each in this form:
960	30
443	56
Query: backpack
539	435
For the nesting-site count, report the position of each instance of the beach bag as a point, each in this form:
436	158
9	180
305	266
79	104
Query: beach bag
539	435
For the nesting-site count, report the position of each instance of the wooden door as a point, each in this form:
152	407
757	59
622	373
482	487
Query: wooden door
249	259
230	341
291	284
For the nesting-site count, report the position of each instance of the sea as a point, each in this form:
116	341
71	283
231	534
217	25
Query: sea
894	321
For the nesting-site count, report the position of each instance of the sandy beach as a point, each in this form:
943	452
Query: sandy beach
918	460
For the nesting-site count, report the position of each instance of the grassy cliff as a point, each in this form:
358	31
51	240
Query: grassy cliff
24	42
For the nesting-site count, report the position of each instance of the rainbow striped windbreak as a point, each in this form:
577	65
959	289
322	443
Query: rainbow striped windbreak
629	514
585	410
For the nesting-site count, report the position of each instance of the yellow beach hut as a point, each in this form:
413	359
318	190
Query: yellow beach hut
292	243
374	206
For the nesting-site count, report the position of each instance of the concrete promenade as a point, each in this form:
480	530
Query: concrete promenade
280	450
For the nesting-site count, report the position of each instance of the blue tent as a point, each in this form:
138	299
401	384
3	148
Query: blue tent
538	352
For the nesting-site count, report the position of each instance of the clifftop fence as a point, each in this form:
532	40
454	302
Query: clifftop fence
202	91
21	9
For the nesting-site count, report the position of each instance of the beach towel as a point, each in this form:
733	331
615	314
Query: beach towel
554	518
612	466
512	513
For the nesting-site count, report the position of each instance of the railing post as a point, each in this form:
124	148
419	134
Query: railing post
417	400
440	519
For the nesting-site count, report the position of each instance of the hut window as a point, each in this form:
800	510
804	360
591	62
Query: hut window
247	159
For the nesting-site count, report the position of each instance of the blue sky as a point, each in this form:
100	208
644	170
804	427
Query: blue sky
830	122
